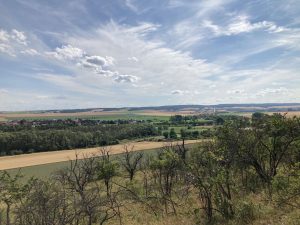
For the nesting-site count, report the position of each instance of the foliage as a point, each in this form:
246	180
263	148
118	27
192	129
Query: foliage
36	140
223	179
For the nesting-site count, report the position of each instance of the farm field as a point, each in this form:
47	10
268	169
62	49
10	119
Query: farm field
20	161
45	171
97	115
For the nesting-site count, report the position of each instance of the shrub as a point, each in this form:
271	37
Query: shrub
246	212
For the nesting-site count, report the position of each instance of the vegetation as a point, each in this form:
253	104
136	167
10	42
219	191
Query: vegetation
27	136
94	117
69	137
247	173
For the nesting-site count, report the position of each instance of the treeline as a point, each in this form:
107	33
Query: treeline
59	124
204	119
244	175
37	140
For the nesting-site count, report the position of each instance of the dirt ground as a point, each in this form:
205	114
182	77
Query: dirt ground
19	161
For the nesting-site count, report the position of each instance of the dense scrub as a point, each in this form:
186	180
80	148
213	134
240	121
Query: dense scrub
244	175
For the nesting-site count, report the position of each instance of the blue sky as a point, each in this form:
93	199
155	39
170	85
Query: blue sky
98	53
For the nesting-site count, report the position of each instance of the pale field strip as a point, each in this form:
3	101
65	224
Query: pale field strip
33	159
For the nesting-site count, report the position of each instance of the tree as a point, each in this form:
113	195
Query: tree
106	169
11	191
212	175
91	204
165	168
258	118
176	119
220	121
264	146
131	160
166	134
172	134
45	203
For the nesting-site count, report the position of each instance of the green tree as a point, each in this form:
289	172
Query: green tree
263	146
11	191
106	169
212	175
166	134
172	134
165	168
131	160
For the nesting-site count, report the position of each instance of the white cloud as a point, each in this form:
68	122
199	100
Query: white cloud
98	62
42	97
5	48
19	36
51	97
125	78
272	91
290	38
149	63
177	92
130	4
212	86
94	63
71	83
241	24
67	52
12	42
176	70
236	91
4	36
30	51
142	29
95	70
154	63
134	59
3	91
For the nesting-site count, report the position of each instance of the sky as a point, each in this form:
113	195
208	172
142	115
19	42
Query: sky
58	54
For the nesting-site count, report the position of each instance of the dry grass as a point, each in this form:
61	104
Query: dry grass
19	161
267	213
291	114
